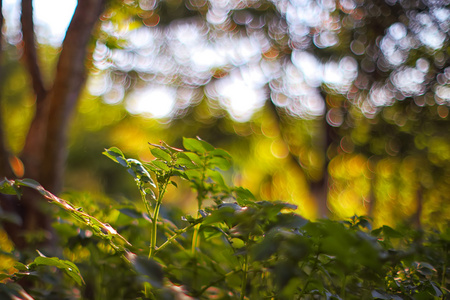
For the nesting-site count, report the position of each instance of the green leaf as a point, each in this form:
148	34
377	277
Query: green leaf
5	276
206	145
116	155
8	187
70	268
389	232
437	291
160	165
29	183
243	196
216	177
424	268
193	157
291	220
180	173
192	174
186	163
220	162
161	154
20	266
222	153
138	171
194	145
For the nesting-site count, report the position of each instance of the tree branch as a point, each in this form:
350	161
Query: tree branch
319	189
5	169
69	81
30	53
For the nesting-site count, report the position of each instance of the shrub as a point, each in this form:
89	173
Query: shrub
236	248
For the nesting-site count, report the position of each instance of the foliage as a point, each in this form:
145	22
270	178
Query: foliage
236	247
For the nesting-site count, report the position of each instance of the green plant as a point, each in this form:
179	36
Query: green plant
235	247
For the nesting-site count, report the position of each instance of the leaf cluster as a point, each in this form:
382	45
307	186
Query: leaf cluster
236	247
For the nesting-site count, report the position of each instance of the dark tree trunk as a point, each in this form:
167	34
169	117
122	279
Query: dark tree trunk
44	152
318	189
63	97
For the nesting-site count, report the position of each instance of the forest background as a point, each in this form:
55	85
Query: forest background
338	107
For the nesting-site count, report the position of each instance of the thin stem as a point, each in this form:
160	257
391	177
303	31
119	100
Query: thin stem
146	203
154	229
244	277
162	191
173	237
313	270
195	239
200	198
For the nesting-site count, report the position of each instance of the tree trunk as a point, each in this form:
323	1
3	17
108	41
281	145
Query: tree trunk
44	152
318	189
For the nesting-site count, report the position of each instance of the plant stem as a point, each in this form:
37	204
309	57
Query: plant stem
200	197
173	237
154	233
313	270
195	239
146	203
154	229
244	277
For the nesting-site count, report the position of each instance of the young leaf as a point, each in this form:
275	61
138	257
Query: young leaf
137	170
160	165
186	163
192	174
221	152
217	177
116	155
8	187
220	162
161	154
193	157
70	268
194	145
29	183
206	145
244	196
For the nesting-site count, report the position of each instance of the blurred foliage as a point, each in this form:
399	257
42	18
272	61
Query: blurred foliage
236	247
360	95
354	92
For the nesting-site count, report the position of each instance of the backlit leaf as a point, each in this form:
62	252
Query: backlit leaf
116	155
194	145
161	154
220	162
160	165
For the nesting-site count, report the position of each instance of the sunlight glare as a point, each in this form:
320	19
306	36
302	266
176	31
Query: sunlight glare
153	102
241	98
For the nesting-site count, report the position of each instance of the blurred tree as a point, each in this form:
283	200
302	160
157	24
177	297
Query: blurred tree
309	82
363	72
44	151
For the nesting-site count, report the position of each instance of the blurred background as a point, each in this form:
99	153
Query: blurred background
337	106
